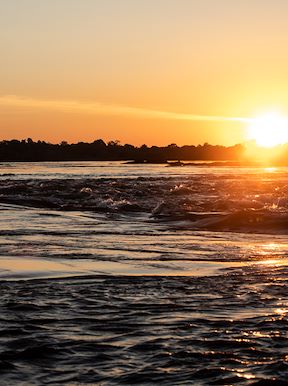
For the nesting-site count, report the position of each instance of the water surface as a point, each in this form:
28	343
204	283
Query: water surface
143	274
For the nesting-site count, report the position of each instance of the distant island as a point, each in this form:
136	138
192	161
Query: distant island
29	150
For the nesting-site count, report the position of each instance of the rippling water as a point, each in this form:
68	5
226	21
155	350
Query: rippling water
143	274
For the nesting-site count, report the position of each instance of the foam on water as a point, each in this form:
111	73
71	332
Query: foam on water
251	202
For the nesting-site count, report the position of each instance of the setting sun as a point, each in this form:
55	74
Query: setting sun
269	130
143	192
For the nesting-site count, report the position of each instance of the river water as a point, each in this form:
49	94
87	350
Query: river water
116	273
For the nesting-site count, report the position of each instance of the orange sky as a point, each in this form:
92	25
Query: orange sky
141	71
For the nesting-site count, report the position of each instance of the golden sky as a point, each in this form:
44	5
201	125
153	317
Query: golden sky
140	71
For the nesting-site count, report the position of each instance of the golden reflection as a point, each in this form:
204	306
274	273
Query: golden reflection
259	334
248	376
281	311
241	374
271	254
271	246
266	156
270	170
269	262
282	262
266	250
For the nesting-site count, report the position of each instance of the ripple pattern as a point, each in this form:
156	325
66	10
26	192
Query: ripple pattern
226	330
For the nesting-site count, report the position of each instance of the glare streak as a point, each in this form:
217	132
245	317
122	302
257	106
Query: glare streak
97	108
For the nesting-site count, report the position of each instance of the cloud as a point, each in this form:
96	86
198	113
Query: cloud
96	108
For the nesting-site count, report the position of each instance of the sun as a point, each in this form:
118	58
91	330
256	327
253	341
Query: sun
269	130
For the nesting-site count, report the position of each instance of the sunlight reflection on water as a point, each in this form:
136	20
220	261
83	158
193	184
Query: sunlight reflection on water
25	268
133	298
118	169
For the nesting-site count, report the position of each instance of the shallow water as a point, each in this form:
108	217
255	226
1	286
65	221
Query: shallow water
143	274
113	169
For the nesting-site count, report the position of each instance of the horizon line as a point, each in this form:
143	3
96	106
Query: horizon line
118	142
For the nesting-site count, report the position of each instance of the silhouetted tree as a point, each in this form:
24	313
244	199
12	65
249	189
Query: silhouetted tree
28	150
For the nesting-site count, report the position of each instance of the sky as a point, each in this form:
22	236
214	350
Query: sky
140	71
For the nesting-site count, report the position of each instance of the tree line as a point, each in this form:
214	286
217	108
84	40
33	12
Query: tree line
98	150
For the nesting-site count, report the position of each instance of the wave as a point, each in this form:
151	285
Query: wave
216	203
262	221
